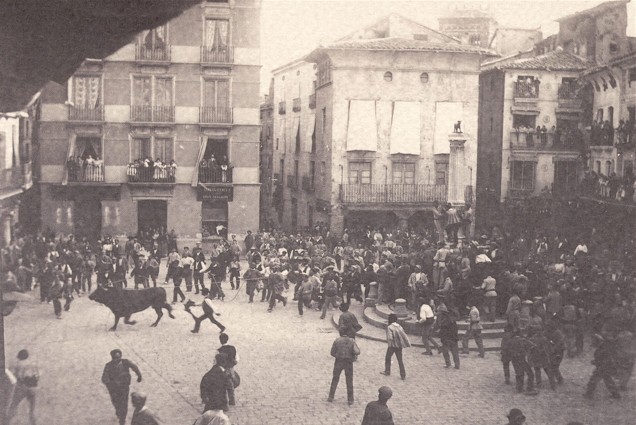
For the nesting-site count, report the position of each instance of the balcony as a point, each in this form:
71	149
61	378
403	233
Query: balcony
391	193
282	108
83	113
214	174
212	115
85	173
568	96
296	105
519	192
548	141
308	184
139	174
526	91
292	181
152	54
144	113
209	55
312	101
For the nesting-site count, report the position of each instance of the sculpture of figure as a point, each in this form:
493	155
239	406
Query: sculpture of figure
457	127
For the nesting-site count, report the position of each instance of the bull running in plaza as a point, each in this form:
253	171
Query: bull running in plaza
553	293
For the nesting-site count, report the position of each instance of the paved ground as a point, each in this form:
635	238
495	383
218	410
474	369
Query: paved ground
285	369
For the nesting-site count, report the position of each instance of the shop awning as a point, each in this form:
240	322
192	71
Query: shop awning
405	128
362	131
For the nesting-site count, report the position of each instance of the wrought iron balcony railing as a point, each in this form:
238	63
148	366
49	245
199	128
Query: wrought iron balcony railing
85	173
213	115
217	55
548	140
526	90
214	174
392	193
137	173
150	53
83	113
145	113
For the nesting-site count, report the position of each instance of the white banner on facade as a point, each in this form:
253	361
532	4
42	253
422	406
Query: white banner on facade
362	131
405	128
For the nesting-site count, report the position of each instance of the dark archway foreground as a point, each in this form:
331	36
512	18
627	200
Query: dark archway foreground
42	41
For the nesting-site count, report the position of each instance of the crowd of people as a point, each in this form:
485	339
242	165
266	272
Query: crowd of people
87	169
610	187
147	170
553	293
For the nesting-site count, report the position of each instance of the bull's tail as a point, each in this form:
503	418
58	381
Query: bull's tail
169	308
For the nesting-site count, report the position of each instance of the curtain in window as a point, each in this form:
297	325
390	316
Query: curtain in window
93	92
141	148
216	34
160	36
96	144
163	92
142	92
80	91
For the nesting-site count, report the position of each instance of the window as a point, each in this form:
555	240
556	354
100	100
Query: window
522	175
608	168
296	169
527	121
313	140
217	34
474	39
323	168
610	115
324	73
424	77
154	39
86	91
298	139
277	143
324	122
403	173
152	99
599	115
441	171
216	94
282	171
565	176
153	148
598	167
388	76
359	173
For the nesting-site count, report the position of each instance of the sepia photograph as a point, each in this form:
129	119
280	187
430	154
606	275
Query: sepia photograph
317	212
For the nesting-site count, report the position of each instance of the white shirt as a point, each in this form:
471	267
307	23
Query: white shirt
426	312
581	248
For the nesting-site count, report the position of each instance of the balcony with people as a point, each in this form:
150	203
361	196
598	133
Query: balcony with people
151	46
85	169
542	138
610	188
147	171
526	89
212	170
568	95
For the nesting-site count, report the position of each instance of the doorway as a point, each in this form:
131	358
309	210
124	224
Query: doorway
88	219
152	215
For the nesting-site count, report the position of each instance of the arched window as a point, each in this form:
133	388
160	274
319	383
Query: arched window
388	76
424	77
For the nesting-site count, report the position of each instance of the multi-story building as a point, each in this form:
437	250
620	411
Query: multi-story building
530	140
294	146
16	181
380	148
164	133
266	155
476	27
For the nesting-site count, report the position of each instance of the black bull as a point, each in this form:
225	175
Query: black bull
125	302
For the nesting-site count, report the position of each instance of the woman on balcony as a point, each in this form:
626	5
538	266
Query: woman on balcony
98	170
159	173
225	167
172	171
89	168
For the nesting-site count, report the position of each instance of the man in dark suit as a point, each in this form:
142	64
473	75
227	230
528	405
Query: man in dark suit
215	384
116	377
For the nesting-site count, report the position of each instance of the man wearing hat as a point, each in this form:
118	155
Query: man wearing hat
116	378
142	415
377	412
516	417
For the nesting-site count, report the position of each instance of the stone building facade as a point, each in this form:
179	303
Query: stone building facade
183	92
